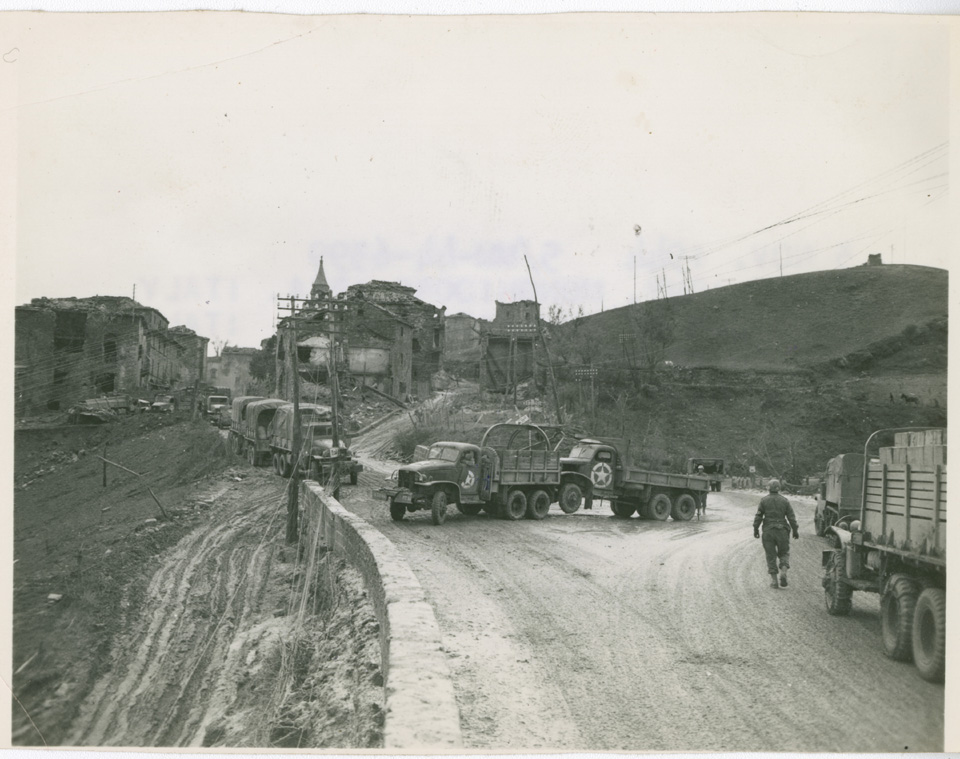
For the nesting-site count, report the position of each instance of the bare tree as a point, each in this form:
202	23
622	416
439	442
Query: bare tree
218	345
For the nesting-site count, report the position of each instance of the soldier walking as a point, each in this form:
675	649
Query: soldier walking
776	515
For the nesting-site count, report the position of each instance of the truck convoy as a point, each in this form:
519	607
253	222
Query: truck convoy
897	547
517	472
262	430
840	492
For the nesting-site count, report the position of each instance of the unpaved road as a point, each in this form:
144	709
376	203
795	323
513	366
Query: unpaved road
589	632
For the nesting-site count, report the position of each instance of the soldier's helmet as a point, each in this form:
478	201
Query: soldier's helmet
700	468
773	486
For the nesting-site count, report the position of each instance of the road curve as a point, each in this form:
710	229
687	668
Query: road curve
588	632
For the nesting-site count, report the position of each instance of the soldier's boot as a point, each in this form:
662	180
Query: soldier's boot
783	578
773	580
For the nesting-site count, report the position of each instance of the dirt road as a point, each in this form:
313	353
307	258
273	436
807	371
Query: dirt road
590	632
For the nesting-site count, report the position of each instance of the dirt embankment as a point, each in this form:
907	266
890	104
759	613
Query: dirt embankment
179	631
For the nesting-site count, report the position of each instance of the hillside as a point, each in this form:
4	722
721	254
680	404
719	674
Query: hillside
781	324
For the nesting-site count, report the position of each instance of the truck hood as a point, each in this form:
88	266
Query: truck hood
325	444
427	466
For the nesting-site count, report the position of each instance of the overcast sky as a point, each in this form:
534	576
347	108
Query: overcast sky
211	159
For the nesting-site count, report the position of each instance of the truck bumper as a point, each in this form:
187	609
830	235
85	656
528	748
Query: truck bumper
396	495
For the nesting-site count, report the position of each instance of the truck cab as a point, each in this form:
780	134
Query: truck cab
452	469
599	462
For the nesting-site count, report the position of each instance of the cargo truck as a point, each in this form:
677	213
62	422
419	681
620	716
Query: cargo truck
253	429
607	472
318	455
897	547
238	413
515	472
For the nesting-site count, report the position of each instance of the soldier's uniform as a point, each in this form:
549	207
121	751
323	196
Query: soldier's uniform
776	515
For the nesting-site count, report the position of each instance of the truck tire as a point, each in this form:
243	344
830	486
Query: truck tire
276	464
438	507
286	469
819	527
623	509
660	507
896	617
397	511
684	509
538	504
516	505
930	634
837	595
470	509
571	496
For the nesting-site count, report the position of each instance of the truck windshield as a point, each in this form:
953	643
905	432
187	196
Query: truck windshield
320	430
218	399
444	454
580	452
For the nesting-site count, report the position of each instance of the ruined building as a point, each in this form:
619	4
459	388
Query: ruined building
388	338
509	345
71	349
231	369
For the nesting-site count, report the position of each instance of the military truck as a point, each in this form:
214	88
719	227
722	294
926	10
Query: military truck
514	472
712	470
238	411
318	455
605	465
840	492
252	429
898	547
215	403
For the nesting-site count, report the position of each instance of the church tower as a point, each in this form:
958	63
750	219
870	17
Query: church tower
321	290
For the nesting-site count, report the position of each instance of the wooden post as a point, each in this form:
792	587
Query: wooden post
293	502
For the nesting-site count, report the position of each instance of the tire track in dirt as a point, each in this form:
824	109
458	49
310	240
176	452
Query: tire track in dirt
205	589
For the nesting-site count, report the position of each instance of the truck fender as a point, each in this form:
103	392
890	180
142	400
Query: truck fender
447	485
840	536
585	483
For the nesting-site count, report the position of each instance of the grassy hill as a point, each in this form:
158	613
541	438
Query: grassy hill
782	324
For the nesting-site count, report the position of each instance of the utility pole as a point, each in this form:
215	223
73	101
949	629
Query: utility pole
293	498
546	348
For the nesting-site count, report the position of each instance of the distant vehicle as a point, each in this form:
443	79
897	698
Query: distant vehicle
92	411
223	419
514	472
215	403
606	471
251	424
712	469
164	403
143	405
898	548
840	492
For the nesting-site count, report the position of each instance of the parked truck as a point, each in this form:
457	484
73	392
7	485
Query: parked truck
840	492
238	412
713	470
515	472
897	547
215	404
318	455
607	472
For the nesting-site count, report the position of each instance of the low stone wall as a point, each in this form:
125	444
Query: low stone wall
421	710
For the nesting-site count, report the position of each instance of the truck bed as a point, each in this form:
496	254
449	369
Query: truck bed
905	508
640	478
528	467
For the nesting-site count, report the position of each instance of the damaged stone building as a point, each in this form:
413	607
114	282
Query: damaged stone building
71	349
509	345
231	369
389	339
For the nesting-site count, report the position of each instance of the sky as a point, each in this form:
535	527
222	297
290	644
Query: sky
210	160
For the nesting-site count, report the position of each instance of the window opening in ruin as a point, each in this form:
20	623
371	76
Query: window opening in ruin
303	353
110	348
105	383
69	331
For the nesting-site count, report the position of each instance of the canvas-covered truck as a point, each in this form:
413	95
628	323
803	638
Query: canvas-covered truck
514	472
713	470
606	469
238	412
840	492
254	430
898	547
318	455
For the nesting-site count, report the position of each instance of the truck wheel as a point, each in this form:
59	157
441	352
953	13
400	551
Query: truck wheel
623	509
818	525
353	478
516	505
470	509
930	634
660	507
397	510
570	497
896	617
538	504
684	509
837	595
276	464
438	507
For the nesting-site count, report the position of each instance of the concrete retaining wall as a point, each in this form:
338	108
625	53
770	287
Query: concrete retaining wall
421	709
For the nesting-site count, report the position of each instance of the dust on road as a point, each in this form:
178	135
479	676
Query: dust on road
590	632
